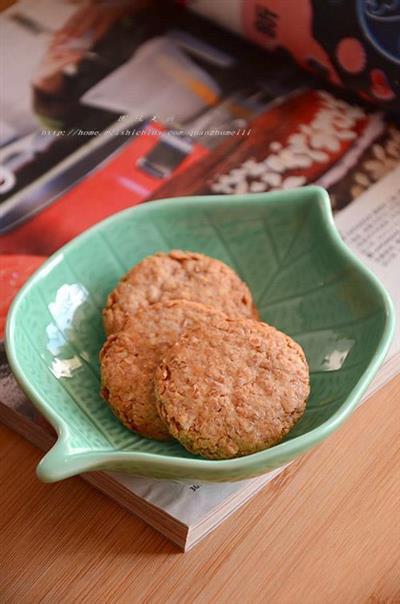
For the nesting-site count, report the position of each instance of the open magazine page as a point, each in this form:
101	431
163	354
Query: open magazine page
351	44
152	107
123	109
130	108
371	228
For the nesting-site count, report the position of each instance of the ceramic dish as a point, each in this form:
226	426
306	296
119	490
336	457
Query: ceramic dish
303	278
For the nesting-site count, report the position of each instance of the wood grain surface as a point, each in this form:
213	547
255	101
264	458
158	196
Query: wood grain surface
327	530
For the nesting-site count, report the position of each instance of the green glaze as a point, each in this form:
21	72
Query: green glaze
303	278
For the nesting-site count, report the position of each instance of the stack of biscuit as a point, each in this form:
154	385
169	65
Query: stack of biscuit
186	357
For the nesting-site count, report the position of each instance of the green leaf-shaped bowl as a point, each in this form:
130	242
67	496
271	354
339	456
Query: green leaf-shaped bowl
303	279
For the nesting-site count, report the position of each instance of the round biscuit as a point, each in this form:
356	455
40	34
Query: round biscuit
232	388
129	358
178	275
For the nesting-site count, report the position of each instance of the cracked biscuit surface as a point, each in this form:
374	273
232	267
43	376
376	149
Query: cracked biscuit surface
129	358
178	275
232	388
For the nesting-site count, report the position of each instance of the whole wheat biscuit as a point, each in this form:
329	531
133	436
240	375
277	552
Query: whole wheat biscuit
232	388
178	275
129	358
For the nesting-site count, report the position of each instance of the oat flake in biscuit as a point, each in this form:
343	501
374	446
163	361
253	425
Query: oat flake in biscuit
129	358
178	275
232	388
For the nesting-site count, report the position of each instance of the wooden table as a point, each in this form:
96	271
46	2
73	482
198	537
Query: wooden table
327	530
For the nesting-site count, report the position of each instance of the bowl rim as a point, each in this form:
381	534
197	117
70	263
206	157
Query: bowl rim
91	459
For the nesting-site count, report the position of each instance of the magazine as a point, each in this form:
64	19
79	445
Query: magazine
159	104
